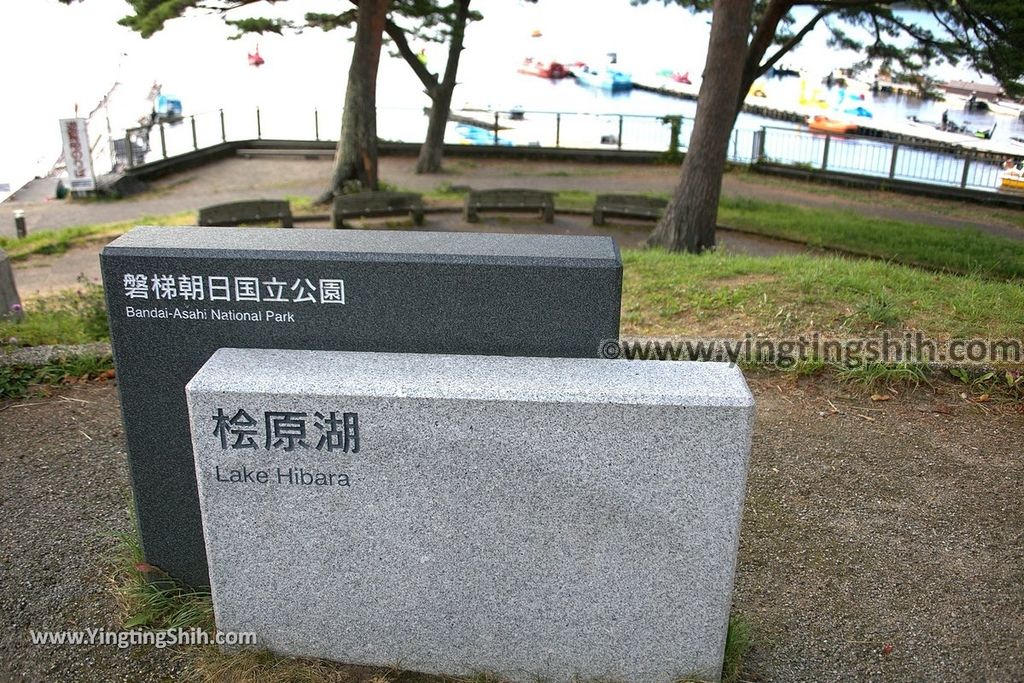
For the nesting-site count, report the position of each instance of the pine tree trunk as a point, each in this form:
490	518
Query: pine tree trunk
432	150
356	156
692	214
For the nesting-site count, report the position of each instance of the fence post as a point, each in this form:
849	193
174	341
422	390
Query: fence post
495	129
892	162
195	141
223	130
316	123
259	126
130	151
619	138
19	224
967	168
163	141
759	137
824	155
558	129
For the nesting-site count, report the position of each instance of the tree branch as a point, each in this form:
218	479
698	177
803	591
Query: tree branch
791	43
764	34
397	35
456	40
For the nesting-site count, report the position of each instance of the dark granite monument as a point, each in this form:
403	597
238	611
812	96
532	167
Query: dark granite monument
176	295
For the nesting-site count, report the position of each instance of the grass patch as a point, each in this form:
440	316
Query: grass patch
717	294
303	204
965	251
148	598
877	375
17	381
574	200
737	645
965	210
77	316
59	241
1003	384
685	295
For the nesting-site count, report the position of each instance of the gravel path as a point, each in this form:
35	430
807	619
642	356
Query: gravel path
879	543
65	495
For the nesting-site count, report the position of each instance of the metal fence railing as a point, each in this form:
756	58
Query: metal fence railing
921	163
917	162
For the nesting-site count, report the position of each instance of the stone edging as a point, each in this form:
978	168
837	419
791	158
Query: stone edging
38	356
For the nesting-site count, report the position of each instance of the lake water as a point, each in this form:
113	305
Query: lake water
58	58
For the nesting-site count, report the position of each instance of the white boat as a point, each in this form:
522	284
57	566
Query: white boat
606	78
1000	107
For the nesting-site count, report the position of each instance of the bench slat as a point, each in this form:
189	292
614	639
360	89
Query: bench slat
510	200
627	206
376	205
247	212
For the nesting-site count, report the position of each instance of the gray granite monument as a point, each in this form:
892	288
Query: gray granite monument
175	295
540	518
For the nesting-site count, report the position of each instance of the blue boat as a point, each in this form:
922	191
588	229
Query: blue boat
475	135
167	108
606	78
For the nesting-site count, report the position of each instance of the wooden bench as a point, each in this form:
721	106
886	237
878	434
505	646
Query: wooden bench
305	153
628	206
247	212
510	200
376	205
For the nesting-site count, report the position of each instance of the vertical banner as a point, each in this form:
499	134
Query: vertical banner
77	156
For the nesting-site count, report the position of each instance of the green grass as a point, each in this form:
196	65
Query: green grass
968	211
17	381
737	645
717	293
964	251
876	375
957	250
59	241
148	598
303	204
76	316
1004	383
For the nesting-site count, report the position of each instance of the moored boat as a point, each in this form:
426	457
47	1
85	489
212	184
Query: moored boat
543	68
606	78
166	108
675	76
1011	182
823	124
1012	178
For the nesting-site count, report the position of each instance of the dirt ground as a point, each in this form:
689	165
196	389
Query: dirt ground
881	541
43	274
279	178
